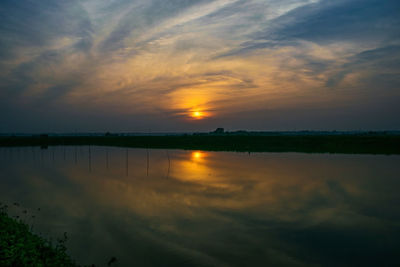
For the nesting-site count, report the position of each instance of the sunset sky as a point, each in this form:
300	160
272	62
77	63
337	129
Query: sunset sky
195	65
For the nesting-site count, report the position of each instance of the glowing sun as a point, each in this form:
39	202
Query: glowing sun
197	115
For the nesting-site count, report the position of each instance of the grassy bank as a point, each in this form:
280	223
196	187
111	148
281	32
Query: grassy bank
350	144
20	247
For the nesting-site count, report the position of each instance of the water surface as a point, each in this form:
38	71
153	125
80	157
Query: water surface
196	208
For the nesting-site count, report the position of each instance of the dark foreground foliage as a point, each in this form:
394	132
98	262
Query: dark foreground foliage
20	247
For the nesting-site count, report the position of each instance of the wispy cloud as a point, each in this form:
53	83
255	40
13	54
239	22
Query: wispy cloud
164	58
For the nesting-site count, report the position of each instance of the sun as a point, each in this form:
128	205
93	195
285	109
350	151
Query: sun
197	114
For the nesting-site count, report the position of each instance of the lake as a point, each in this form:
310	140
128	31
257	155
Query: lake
198	208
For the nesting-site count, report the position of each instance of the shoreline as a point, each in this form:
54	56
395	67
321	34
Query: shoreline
19	246
343	144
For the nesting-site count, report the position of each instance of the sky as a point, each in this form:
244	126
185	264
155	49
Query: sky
195	65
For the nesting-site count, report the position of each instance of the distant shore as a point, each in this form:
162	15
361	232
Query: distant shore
357	143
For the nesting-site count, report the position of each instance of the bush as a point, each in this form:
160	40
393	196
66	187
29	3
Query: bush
20	247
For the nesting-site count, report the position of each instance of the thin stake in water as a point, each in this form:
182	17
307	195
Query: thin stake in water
127	162
90	160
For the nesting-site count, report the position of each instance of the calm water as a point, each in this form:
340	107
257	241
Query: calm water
194	208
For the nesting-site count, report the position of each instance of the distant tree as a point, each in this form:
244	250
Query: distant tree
219	131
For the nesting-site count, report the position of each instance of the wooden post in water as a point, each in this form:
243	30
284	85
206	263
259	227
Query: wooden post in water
127	162
107	158
169	164
90	160
147	162
76	155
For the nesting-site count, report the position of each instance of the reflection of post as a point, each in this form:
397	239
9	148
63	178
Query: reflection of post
64	152
90	160
52	153
147	162
127	162
169	164
33	154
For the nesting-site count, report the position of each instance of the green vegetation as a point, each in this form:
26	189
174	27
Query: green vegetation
309	143
20	247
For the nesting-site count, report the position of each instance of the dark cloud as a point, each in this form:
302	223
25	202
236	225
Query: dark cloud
382	66
32	33
356	20
36	23
330	21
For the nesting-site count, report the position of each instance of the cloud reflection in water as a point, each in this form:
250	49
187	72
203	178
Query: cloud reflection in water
214	208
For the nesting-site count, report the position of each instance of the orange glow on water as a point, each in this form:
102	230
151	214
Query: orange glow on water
197	155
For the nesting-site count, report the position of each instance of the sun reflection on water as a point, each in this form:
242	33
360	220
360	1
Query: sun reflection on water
197	155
